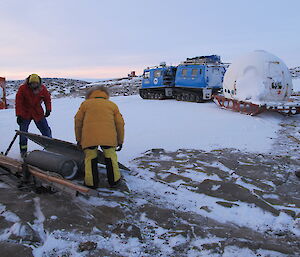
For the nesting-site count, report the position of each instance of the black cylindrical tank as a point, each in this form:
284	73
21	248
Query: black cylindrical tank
53	162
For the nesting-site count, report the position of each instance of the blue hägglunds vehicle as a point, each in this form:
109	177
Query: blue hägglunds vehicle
195	80
158	82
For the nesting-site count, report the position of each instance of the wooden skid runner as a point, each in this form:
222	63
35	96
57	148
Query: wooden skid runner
254	109
15	167
238	106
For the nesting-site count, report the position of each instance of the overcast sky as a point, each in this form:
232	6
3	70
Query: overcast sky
107	39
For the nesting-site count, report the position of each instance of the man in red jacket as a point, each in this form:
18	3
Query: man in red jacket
29	97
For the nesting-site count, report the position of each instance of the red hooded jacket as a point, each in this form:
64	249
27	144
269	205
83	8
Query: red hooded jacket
28	104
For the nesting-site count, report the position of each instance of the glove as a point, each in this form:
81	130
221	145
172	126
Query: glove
47	113
19	120
119	147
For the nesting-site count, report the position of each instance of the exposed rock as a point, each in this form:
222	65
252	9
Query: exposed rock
87	246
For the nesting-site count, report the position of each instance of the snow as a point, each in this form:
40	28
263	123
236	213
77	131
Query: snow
170	125
39	221
58	242
245	214
53	243
270	196
8	215
235	251
12	95
3	185
192	174
15	229
95	201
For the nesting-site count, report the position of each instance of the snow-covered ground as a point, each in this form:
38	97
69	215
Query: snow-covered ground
204	182
168	124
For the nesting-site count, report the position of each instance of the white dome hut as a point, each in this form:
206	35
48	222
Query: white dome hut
258	77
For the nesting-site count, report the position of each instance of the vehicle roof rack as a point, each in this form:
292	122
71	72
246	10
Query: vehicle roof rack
207	59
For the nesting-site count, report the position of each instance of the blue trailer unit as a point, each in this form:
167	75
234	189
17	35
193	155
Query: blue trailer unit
158	82
198	78
191	76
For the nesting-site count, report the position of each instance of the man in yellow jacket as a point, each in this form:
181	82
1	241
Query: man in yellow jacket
98	122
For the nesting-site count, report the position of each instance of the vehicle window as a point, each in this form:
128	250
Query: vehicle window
184	72
157	74
146	74
200	71
194	72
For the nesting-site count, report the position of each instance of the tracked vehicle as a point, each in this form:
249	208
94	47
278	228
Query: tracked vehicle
194	80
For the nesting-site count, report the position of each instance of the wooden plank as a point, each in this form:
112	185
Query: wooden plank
13	165
64	182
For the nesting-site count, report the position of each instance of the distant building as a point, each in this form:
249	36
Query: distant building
132	74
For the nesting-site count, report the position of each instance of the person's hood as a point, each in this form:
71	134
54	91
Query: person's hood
98	94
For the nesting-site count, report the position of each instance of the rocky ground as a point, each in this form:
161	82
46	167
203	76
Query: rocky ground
61	87
184	203
295	72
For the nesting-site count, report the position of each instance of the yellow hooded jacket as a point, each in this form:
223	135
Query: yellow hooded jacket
99	122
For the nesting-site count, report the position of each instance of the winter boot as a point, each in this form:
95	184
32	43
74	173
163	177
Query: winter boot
23	153
120	185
